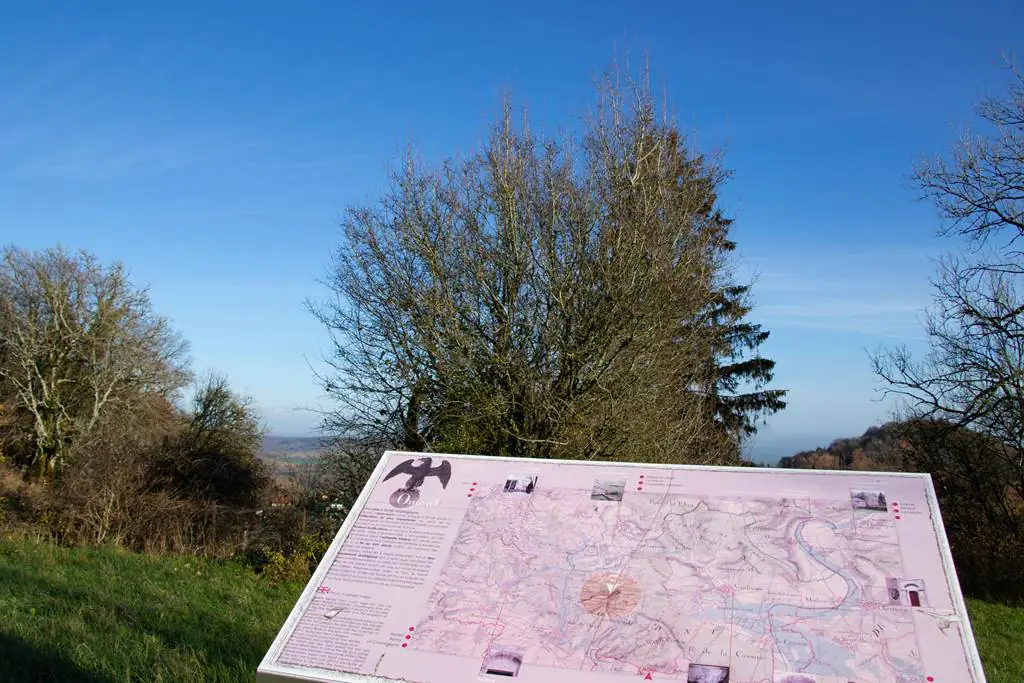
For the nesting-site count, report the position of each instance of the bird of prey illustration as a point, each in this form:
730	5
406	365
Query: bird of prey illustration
421	468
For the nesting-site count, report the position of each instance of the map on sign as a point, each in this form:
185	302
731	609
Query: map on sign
465	568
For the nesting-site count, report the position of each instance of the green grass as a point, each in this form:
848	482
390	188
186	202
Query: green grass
100	615
103	615
999	632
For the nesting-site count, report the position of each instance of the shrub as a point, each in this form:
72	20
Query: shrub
214	457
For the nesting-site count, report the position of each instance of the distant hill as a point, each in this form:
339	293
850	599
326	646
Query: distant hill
877	449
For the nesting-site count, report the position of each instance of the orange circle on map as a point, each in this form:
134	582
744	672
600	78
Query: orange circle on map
610	595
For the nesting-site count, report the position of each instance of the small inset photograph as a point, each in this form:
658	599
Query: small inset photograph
520	483
707	673
906	592
868	500
608	489
783	677
502	663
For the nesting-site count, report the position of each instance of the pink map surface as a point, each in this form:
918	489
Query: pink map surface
461	568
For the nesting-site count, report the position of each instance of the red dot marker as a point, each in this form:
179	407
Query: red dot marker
474	483
898	517
405	644
472	489
412	628
930	678
408	637
469	495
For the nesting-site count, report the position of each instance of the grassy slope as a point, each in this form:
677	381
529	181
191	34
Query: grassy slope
98	615
102	615
999	632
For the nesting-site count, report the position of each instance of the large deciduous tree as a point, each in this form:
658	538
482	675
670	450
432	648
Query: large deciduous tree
78	342
972	377
560	296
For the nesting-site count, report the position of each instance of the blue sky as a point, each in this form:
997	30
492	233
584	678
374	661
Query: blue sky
212	147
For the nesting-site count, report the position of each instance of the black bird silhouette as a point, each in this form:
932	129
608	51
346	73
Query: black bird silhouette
421	468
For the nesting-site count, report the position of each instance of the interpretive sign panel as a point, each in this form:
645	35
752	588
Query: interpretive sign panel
458	568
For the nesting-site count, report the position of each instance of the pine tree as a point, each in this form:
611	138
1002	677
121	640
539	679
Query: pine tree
737	412
733	362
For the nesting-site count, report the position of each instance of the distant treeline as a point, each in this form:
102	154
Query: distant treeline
880	448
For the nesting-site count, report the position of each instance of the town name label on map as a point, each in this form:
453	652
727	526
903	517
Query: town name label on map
457	568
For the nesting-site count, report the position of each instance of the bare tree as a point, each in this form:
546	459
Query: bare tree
547	297
216	455
979	190
77	342
973	374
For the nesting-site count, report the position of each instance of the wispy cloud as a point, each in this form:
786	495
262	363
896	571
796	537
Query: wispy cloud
38	100
863	327
894	320
40	82
104	158
781	283
841	309
20	135
881	294
102	154
62	118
